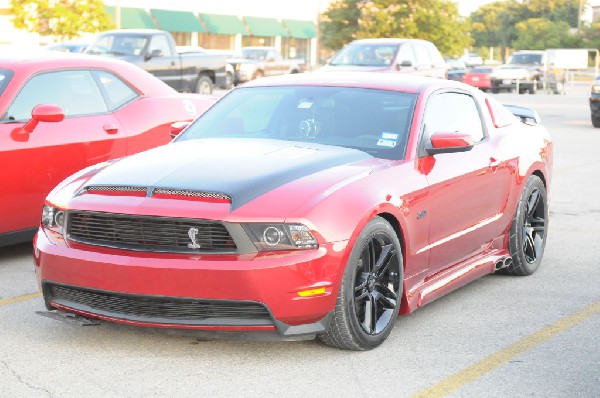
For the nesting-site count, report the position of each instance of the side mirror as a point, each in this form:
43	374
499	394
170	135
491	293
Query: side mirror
405	64
154	53
450	143
40	113
178	127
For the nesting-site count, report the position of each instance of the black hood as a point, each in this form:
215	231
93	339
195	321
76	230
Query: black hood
241	168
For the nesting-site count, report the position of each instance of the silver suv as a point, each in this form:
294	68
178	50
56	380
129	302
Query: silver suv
412	56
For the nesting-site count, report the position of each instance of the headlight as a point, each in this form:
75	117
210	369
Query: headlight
53	218
267	237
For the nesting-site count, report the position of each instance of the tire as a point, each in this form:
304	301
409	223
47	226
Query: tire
204	85
495	90
228	84
595	121
370	292
258	74
533	88
560	88
529	229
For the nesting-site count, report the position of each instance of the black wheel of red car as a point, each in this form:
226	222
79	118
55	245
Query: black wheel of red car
204	85
529	229
370	294
595	121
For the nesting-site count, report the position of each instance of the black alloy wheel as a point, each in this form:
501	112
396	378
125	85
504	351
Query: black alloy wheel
371	290
376	284
529	229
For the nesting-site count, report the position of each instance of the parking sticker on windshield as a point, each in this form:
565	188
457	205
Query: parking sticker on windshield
388	140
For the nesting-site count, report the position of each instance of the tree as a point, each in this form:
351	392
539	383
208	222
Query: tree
557	10
434	20
339	23
63	18
540	34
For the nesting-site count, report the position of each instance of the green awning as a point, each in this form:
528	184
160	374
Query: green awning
300	29
177	21
265	27
132	18
224	24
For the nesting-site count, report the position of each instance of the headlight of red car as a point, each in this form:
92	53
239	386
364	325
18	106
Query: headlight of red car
53	218
267	237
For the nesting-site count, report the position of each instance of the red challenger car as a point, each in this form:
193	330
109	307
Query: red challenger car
61	112
303	205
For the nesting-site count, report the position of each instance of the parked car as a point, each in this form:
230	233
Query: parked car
227	83
472	59
259	61
479	77
456	69
68	46
155	51
513	79
61	112
419	57
595	102
539	68
312	204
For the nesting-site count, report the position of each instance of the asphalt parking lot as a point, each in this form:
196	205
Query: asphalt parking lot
500	336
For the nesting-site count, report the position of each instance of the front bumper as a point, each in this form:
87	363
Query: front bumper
511	84
250	292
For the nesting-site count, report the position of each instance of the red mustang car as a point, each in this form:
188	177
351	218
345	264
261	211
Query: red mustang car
304	205
479	77
61	112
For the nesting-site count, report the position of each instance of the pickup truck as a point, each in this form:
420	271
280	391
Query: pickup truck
259	61
155	51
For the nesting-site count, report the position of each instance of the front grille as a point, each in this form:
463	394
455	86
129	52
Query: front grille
147	233
161	310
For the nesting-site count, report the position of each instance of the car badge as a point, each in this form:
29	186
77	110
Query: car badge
192	232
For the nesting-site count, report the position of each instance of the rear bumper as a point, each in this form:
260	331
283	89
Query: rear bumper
215	293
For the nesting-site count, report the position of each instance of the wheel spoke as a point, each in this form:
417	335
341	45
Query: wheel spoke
372	256
387	297
374	308
364	279
367	321
532	203
529	247
384	260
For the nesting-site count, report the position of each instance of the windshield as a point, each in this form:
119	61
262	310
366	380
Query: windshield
5	76
254	53
374	121
366	55
526	59
120	45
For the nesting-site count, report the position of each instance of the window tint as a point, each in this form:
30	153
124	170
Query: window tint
160	42
406	54
366	55
453	112
117	91
434	54
75	91
422	54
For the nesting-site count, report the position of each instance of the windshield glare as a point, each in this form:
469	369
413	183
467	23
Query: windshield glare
254	53
5	76
120	45
374	121
366	55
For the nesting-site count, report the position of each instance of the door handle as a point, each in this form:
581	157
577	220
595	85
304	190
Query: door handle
111	128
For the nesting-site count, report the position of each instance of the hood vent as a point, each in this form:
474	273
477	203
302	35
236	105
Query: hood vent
114	190
189	194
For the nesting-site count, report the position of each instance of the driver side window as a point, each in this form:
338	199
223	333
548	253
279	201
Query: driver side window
75	91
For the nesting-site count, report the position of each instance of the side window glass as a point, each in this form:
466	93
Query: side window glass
117	91
453	113
160	42
405	53
75	91
434	54
422	54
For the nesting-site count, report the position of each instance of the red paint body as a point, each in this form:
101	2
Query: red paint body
469	199
32	163
480	80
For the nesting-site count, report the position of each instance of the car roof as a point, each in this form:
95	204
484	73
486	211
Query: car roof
133	31
382	81
51	59
387	41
